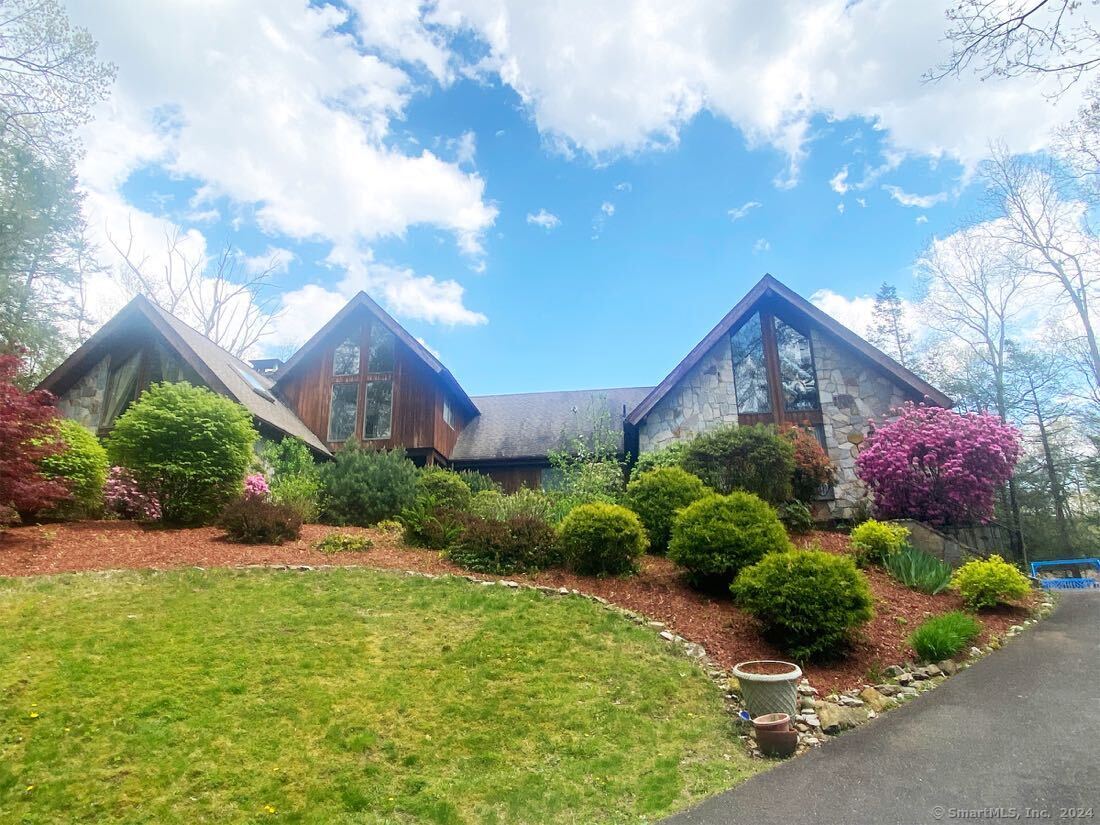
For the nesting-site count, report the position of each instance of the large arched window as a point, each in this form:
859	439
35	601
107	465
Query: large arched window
361	389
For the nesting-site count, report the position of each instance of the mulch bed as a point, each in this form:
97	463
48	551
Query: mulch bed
658	591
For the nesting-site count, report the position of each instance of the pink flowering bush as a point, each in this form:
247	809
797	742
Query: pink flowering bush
255	486
938	466
125	499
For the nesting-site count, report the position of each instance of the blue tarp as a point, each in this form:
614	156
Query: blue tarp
1067	574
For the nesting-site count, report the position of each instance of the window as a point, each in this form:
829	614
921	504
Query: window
341	413
380	358
345	360
750	371
448	414
796	369
378	412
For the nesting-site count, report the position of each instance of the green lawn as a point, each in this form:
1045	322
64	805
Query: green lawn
342	696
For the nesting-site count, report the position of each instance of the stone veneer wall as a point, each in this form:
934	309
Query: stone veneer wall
703	399
83	402
852	393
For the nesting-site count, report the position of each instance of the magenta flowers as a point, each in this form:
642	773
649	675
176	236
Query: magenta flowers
937	465
125	499
255	486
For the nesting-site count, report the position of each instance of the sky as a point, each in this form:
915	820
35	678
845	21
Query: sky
549	195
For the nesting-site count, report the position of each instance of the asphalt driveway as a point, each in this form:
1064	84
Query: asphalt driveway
1014	738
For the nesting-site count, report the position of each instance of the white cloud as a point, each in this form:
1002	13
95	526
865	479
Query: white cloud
623	187
839	182
428	347
626	77
856	312
761	245
607	208
840	207
862	202
278	109
547	220
914	201
275	258
743	210
922	219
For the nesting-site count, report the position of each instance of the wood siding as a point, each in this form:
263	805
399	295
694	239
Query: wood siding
417	422
511	477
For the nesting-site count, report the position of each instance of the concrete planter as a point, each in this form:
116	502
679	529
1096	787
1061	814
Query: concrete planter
768	686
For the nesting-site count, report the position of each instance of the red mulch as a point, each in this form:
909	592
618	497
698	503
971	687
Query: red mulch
659	591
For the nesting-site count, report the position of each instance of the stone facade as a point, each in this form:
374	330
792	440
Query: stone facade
851	394
83	402
703	399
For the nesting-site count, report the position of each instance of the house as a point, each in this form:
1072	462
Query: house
774	358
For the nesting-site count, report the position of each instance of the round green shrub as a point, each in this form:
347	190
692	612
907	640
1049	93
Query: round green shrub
82	465
657	495
444	488
600	538
519	544
873	542
807	601
796	517
488	504
754	459
716	536
187	445
988	582
671	455
302	493
362	487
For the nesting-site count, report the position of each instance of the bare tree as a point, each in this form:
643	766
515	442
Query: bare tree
216	294
49	77
1053	239
1018	37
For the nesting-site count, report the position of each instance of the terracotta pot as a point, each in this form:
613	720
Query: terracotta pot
774	691
772	721
780	743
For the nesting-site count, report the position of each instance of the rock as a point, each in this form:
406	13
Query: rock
805	703
811	741
508	583
668	637
1016	629
851	702
812	720
904	678
806	690
875	700
695	651
835	718
893	671
975	652
948	667
933	671
734	684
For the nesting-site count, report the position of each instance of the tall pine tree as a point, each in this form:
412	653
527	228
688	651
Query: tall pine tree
887	330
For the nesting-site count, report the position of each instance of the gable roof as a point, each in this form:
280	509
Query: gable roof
770	287
531	425
364	301
222	371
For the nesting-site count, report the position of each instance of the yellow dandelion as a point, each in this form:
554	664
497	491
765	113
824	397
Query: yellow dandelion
269	808
30	788
34	714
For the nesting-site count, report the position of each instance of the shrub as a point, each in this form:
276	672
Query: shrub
754	459
538	504
187	445
302	493
479	482
124	498
942	637
362	486
717	536
255	486
445	487
488	504
812	467
520	544
82	467
252	520
657	495
343	543
873	542
426	524
796	517
27	436
938	465
600	538
989	582
807	601
919	570
671	455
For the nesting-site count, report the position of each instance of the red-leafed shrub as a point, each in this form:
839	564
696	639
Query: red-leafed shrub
937	465
28	434
812	467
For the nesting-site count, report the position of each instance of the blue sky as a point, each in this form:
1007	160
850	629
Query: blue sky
539	225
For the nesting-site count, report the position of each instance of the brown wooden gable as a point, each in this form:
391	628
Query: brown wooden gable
421	385
777	298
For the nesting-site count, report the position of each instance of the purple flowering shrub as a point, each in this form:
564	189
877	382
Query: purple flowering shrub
938	466
125	499
255	486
